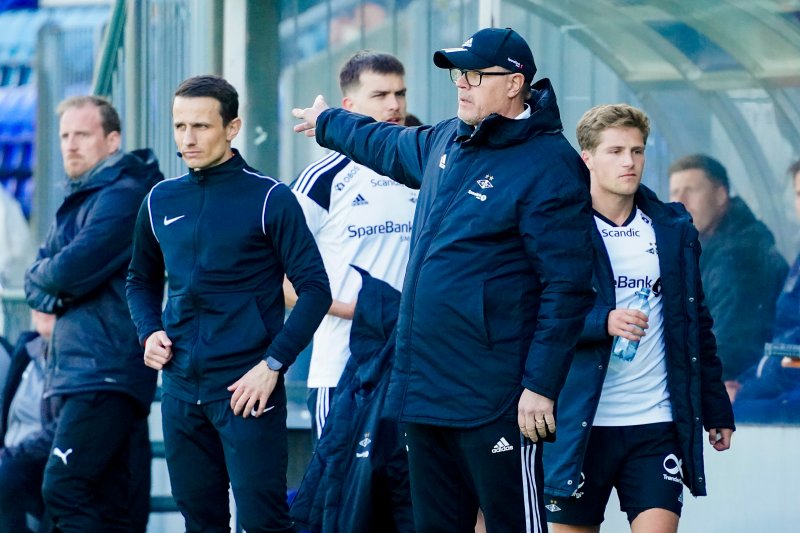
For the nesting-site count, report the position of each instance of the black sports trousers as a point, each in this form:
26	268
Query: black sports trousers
456	471
97	477
207	447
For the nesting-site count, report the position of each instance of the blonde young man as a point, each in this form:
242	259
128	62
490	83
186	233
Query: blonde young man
358	218
636	424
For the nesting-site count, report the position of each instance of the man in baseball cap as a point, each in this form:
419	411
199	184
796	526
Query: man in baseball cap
483	345
493	71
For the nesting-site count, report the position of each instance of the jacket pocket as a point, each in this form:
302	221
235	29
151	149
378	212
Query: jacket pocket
233	324
475	314
504	311
177	315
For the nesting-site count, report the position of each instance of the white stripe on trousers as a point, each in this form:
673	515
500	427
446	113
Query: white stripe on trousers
322	408
527	450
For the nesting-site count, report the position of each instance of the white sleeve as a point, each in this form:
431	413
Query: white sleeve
315	214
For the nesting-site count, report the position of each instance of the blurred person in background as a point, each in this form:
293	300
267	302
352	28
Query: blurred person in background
770	392
17	247
27	426
741	269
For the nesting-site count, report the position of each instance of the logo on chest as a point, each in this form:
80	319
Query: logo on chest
364	443
485	184
359	200
168	221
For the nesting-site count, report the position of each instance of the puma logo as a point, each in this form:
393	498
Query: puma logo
62	455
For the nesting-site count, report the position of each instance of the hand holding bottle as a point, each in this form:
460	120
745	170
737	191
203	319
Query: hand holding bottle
628	326
627	323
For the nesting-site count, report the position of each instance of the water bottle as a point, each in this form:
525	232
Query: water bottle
623	348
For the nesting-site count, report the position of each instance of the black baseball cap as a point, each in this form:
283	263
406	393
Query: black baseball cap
502	47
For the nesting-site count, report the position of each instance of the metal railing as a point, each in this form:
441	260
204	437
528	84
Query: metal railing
112	42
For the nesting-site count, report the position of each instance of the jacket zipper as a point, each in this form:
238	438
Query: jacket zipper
193	362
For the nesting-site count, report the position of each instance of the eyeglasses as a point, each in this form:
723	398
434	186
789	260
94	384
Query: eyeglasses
473	77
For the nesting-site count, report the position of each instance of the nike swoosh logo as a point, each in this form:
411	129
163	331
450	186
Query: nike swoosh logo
168	221
253	411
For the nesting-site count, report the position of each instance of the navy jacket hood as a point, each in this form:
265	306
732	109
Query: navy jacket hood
140	164
498	131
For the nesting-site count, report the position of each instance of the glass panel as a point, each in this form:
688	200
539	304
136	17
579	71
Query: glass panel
410	29
703	52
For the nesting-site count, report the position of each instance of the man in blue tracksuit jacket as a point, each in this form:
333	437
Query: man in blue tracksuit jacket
226	235
636	423
100	460
497	285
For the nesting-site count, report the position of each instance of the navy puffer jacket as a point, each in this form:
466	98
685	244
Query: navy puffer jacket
357	481
499	275
80	276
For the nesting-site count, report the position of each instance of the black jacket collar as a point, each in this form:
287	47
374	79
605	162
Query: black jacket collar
222	170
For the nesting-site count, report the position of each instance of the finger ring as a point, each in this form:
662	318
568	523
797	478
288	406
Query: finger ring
540	422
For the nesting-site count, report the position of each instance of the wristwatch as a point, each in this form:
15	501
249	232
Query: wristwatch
274	364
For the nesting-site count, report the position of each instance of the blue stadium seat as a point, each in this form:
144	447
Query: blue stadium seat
17	136
19	30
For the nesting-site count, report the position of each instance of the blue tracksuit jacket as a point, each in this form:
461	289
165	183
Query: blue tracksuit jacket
226	235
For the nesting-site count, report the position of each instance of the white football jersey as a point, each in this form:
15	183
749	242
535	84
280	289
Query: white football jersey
360	218
635	392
